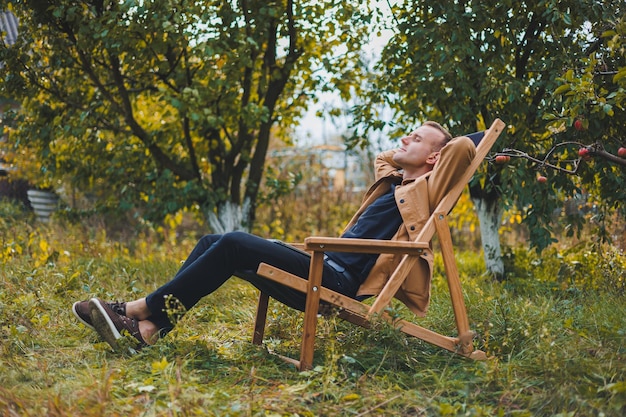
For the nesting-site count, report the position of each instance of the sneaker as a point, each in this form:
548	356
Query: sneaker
112	326
81	311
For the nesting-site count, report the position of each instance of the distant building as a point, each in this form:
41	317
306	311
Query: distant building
8	26
331	165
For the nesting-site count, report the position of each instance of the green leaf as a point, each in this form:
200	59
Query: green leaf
562	89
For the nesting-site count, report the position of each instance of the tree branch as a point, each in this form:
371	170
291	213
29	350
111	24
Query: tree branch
594	150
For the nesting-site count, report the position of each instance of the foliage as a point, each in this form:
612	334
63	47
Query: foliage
467	62
594	93
159	105
298	201
556	346
312	210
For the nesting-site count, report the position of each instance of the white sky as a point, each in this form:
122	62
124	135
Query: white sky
315	130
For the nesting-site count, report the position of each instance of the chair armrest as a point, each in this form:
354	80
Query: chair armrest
337	244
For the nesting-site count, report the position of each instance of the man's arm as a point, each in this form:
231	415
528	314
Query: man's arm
385	166
455	158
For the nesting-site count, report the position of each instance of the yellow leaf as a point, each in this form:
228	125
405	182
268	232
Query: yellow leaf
351	397
159	366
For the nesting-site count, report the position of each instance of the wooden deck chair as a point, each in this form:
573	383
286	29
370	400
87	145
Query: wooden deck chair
360	313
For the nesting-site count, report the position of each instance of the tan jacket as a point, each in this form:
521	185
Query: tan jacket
416	199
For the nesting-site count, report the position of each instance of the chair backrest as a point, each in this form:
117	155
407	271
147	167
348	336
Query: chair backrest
483	140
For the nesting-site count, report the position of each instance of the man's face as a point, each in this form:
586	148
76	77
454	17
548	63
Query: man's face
418	148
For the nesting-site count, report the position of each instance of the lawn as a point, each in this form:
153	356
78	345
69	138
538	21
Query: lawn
554	331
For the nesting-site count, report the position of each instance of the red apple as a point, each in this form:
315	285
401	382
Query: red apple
584	153
502	159
542	179
621	152
578	125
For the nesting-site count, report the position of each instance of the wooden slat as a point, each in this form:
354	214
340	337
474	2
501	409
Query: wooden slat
412	329
291	361
261	317
452	272
354	318
300	284
454	344
311	309
283	277
338	244
454	283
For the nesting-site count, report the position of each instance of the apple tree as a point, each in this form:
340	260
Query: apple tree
592	97
467	62
160	105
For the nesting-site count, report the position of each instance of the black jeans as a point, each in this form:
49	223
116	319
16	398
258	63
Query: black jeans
216	258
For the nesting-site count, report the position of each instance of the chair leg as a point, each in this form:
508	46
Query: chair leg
261	316
454	284
311	310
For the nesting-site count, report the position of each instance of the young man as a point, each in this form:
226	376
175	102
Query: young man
395	207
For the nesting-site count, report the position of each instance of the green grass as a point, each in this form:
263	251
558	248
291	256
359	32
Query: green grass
555	332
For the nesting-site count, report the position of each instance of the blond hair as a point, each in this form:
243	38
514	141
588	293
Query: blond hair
447	137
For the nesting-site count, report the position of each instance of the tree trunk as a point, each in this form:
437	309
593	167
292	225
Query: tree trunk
230	216
489	216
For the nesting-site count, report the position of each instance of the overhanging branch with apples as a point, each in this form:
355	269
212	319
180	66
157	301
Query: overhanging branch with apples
566	165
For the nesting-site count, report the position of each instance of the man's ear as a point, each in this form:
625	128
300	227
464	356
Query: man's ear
433	158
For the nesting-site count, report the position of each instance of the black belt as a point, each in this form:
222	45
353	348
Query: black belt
339	268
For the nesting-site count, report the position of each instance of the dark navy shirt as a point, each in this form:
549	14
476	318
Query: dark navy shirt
380	220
